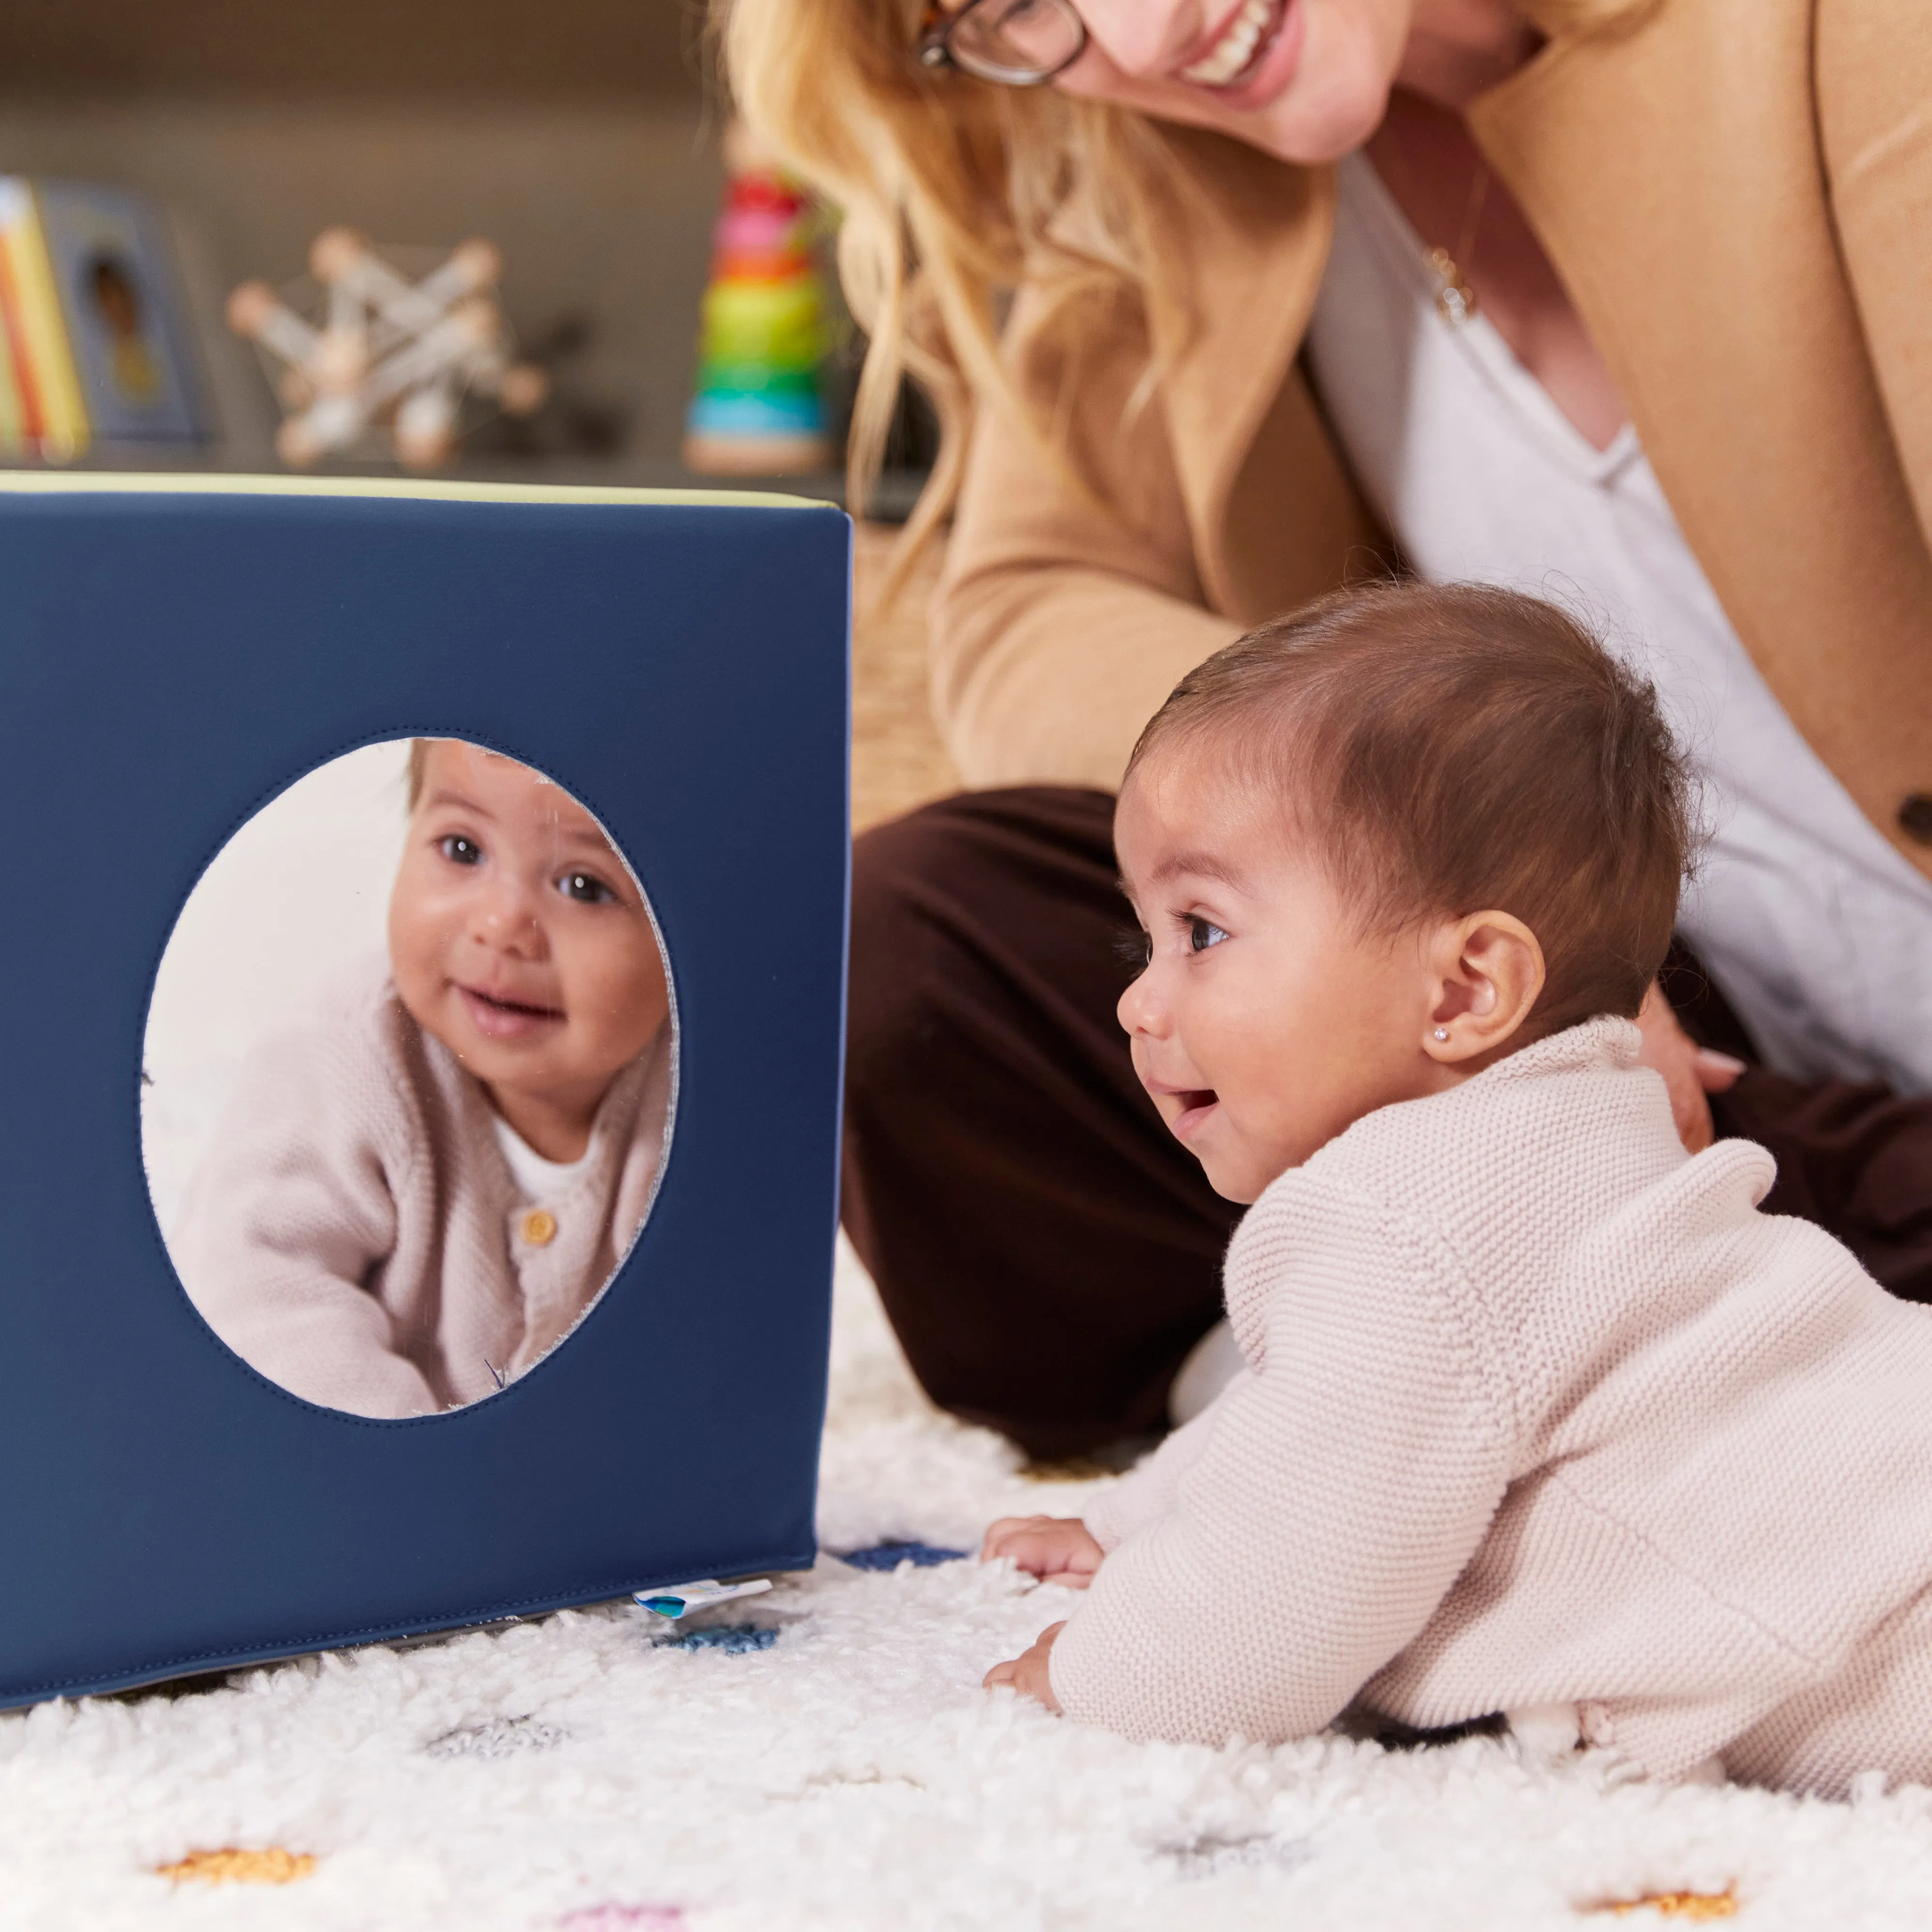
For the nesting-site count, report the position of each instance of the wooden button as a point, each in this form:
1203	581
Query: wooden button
1914	816
539	1227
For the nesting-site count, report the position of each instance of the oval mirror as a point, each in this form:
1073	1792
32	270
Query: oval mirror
408	1077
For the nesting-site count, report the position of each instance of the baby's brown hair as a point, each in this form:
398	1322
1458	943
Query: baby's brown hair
417	765
1451	748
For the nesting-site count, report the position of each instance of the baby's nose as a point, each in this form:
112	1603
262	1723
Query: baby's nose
1140	1009
508	917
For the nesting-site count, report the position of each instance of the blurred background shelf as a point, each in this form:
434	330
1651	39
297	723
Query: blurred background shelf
582	137
624	50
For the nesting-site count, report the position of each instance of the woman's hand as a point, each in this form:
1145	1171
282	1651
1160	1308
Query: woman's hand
1055	1549
1689	1071
1028	1673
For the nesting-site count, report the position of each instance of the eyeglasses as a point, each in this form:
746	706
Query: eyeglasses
1015	43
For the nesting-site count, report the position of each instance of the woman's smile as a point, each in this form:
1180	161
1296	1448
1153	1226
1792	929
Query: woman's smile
1240	45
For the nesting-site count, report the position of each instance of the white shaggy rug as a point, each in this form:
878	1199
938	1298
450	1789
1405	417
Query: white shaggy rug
582	1775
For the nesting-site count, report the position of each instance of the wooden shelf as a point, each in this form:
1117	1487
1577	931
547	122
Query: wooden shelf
526	48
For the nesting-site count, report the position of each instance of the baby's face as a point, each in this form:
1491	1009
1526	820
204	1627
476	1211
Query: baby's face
517	937
1264	1023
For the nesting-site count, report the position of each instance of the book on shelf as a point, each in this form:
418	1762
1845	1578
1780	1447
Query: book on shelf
95	344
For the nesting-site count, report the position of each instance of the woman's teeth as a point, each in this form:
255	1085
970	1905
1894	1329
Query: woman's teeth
1231	55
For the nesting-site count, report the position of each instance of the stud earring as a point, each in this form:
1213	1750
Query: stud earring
1442	1033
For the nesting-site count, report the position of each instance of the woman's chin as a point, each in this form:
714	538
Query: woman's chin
1338	98
1337	122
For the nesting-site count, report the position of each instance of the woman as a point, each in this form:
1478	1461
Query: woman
1625	300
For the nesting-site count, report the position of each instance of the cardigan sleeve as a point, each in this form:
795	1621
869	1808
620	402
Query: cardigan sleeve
1070	605
1336	1494
289	1214
1146	1492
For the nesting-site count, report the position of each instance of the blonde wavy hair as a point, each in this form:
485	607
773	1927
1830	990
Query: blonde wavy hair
953	194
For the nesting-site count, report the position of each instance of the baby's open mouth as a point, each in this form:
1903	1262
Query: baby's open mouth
1194	1101
502	1018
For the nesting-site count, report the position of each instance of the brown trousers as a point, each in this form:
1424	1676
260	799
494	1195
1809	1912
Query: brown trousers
1047	1251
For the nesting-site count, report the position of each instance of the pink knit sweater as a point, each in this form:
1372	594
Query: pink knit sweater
353	1230
1538	1410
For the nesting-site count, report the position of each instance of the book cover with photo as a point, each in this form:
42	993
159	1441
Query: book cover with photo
98	345
41	412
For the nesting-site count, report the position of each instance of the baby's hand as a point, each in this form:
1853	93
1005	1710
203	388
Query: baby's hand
1055	1549
1028	1674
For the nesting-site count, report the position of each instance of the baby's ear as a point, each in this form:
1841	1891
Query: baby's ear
1489	972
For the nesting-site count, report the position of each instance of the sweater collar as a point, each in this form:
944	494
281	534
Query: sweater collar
1606	1042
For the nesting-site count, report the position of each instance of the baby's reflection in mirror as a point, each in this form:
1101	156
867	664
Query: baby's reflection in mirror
420	1185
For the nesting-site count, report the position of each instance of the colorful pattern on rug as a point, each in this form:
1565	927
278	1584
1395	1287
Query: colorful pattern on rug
890	1555
821	1758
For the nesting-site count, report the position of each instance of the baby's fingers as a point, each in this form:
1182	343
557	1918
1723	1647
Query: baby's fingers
1056	1550
1017	1537
994	1543
1030	1675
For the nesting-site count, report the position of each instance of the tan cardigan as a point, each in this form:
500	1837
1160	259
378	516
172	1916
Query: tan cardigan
353	1230
1538	1411
1737	196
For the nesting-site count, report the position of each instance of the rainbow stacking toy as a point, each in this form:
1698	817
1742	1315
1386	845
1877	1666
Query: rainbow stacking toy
757	411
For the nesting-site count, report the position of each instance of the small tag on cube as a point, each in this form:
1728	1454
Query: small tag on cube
679	1599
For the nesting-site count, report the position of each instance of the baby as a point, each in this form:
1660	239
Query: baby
1538	1413
420	1185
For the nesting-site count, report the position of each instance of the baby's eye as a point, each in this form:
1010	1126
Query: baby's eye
585	888
460	850
1203	933
1134	949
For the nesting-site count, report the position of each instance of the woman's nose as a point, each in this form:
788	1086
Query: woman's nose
1143	37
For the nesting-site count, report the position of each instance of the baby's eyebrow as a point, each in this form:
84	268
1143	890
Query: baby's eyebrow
1196	865
588	837
442	795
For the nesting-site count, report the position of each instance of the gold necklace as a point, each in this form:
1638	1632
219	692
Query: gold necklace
1456	300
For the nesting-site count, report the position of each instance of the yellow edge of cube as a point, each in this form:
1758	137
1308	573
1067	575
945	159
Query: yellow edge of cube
70	483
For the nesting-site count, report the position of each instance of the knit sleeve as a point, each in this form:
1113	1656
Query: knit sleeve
1335	1495
289	1214
1146	1492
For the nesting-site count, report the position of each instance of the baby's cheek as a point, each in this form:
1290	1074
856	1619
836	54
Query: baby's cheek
417	951
624	988
416	992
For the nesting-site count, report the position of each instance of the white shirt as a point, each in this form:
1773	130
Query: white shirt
1818	931
537	1179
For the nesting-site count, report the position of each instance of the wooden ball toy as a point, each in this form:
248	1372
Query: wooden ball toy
333	254
524	389
425	427
390	355
339	361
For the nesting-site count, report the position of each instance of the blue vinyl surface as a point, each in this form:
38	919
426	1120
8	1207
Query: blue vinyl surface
169	662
